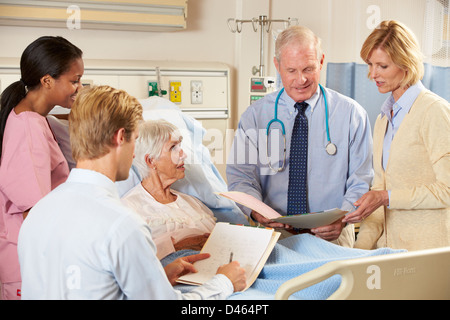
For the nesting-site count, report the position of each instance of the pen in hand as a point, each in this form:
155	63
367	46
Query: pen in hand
231	257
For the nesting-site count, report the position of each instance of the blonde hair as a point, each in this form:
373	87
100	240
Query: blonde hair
153	134
298	34
401	45
96	116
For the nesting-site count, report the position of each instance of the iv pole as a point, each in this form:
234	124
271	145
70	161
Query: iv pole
265	25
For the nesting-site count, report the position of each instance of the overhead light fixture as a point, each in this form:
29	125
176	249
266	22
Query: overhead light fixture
126	15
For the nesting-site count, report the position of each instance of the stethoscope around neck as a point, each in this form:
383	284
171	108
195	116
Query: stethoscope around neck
330	148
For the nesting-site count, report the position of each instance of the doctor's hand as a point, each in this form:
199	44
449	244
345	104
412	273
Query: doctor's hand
330	232
182	266
235	273
267	222
367	204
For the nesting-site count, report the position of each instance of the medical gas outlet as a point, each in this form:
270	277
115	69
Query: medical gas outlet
175	91
153	89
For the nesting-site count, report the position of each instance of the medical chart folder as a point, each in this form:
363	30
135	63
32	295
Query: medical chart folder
302	221
250	246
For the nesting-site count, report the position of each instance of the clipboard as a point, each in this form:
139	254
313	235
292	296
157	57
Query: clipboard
302	221
251	246
313	219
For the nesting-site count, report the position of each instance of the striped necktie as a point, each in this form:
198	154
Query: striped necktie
298	163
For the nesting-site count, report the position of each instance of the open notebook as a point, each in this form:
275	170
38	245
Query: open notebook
250	246
301	220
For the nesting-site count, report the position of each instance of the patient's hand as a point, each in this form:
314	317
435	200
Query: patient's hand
193	243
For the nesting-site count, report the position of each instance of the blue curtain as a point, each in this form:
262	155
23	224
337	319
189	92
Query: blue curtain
351	80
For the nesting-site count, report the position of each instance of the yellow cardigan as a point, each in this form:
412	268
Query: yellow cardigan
418	176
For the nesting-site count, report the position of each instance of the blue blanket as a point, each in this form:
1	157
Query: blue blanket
292	257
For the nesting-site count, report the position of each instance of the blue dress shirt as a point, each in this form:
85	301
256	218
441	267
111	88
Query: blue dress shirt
333	180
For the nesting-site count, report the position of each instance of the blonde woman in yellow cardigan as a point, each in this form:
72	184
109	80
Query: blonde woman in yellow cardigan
408	206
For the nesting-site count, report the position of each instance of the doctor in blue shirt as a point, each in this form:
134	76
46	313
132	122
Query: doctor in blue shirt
259	166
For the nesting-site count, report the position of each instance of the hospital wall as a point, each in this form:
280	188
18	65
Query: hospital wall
342	25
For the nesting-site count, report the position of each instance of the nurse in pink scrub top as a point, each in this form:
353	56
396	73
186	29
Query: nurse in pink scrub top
31	162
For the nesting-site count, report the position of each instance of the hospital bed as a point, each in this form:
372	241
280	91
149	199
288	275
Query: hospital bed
411	275
423	274
408	275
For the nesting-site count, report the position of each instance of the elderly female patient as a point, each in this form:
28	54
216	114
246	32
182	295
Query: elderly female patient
177	221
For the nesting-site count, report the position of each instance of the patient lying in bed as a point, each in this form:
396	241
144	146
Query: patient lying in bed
180	223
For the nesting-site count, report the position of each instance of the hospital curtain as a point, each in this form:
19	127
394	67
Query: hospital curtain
351	22
351	80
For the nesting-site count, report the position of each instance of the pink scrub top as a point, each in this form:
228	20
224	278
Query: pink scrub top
31	165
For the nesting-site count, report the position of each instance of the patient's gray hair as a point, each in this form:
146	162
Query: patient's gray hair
153	134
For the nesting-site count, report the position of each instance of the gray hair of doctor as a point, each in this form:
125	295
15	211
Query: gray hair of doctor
153	134
297	34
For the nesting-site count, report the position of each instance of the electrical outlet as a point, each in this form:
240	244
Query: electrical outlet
196	92
175	91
